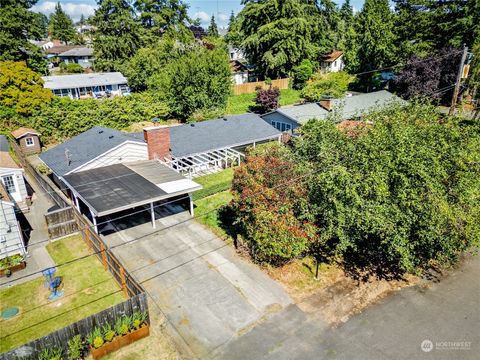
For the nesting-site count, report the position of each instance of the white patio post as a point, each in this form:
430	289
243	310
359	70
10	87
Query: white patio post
254	144
279	139
191	203
152	211
94	221
77	205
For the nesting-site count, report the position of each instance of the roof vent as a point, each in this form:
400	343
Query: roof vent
110	137
100	132
192	125
225	119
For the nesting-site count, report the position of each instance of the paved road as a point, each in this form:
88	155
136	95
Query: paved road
448	311
206	291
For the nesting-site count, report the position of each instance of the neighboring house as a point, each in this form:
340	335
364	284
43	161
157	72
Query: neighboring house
58	48
82	56
11	175
42	44
333	62
235	53
349	108
240	72
28	140
94	85
11	240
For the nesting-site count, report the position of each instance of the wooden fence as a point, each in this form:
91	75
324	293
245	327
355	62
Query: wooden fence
249	88
61	222
59	338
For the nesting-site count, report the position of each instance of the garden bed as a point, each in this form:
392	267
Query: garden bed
20	266
119	342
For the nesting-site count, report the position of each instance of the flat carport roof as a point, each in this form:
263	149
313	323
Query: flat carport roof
119	187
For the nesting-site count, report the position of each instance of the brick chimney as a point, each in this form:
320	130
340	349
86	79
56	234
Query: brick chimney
327	103
158	142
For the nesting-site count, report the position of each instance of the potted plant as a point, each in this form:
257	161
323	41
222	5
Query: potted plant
127	329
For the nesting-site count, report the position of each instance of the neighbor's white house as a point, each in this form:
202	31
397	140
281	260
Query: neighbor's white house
333	62
11	175
84	86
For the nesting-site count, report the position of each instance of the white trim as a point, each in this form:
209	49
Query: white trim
29	138
105	153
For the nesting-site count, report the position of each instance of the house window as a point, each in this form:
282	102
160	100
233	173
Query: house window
29	141
281	126
9	184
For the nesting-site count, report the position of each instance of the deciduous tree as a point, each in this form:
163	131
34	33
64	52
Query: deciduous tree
333	84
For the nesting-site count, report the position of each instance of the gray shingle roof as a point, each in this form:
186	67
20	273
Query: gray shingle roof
302	113
81	51
219	133
83	80
3	143
83	148
358	105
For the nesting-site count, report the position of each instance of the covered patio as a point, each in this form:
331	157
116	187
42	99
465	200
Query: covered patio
120	188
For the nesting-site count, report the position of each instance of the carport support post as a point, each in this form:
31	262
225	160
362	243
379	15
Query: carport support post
152	211
191	203
94	221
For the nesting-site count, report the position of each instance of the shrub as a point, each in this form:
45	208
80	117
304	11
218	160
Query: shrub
75	348
267	100
302	73
331	84
43	169
50	354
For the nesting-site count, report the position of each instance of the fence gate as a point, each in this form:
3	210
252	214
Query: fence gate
61	222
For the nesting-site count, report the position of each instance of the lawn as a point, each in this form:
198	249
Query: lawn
207	214
214	183
88	289
239	104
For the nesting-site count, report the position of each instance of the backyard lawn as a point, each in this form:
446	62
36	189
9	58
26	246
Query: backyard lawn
239	104
214	183
87	287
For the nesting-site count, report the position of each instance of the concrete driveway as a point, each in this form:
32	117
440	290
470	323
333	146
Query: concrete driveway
209	295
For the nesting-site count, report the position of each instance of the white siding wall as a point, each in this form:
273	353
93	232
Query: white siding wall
17	175
126	152
11	241
240	78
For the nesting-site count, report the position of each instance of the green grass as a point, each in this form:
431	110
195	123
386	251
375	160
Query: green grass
207	205
87	287
239	104
213	183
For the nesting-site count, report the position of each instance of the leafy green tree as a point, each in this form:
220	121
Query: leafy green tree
376	40
277	35
61	26
302	73
117	35
212	28
41	21
198	80
21	88
17	26
334	84
398	194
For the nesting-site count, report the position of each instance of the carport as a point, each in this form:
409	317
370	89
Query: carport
111	189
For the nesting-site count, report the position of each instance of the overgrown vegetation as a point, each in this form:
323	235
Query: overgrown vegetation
394	196
333	85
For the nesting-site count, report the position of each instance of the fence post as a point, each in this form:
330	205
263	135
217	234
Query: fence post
104	255
124	283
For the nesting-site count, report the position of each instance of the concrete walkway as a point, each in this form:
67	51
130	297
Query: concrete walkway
37	255
208	294
445	316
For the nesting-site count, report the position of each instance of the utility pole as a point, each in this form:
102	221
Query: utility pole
459	80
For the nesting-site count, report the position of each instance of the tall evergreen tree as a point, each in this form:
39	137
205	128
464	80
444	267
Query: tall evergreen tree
160	16
278	34
117	35
17	26
346	11
376	40
212	28
231	20
61	25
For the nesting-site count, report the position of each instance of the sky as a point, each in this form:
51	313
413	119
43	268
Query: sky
202	9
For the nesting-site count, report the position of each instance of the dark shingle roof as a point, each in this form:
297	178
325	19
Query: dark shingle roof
219	133
83	148
3	143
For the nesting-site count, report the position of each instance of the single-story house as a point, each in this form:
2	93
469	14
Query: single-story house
105	171
96	85
235	53
332	62
11	240
28	139
82	56
289	118
11	175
